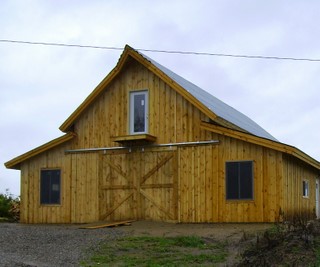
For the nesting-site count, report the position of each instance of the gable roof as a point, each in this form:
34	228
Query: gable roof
217	106
214	108
234	123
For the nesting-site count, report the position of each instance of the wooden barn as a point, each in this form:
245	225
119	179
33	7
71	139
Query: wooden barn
147	144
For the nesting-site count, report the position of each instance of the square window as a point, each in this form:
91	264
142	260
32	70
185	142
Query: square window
239	180
50	182
138	112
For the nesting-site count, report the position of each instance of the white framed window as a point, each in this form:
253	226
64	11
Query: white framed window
305	188
138	112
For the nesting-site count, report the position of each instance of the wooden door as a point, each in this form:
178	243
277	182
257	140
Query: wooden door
138	185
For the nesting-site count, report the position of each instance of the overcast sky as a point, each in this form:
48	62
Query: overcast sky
40	86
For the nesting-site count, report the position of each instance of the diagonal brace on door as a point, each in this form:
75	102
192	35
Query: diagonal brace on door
118	170
112	209
155	168
147	196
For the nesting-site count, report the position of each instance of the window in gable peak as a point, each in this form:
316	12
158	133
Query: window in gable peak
138	123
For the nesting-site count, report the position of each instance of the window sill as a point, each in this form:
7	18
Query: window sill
239	200
50	205
127	139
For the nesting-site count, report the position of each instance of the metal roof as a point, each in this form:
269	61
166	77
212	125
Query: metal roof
217	106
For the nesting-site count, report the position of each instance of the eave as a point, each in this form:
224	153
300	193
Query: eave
262	142
15	163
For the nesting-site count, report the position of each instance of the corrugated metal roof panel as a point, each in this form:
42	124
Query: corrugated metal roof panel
217	106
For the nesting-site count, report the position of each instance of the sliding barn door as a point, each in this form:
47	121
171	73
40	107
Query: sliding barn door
138	185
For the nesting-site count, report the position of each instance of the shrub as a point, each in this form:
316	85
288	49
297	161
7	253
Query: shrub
9	206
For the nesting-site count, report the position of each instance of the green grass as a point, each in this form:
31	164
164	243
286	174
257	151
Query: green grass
159	251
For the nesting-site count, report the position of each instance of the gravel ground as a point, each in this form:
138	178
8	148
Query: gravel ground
49	245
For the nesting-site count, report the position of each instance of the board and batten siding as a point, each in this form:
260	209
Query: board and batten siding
202	184
171	117
294	173
197	190
79	188
31	209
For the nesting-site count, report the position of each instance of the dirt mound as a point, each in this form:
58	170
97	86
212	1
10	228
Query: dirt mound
284	245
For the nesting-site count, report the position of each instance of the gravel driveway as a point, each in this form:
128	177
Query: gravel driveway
49	245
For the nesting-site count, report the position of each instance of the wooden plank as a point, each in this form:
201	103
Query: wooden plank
24	207
150	198
156	108
104	225
175	181
202	183
117	187
149	186
162	110
173	116
135	137
217	187
197	184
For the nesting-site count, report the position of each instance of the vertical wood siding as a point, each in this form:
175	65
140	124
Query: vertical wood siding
31	210
202	186
197	174
294	172
171	117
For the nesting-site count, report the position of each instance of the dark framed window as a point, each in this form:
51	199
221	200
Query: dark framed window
239	180
138	112
50	186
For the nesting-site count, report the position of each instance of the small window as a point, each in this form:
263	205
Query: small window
138	112
50	186
239	180
305	188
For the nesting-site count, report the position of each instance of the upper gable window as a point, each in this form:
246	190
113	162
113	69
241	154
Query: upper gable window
138	112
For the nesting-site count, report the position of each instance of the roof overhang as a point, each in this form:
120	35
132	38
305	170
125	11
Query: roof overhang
291	150
16	162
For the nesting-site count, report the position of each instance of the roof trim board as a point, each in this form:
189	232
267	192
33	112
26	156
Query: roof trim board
263	142
15	163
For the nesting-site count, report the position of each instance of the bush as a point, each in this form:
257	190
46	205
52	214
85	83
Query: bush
9	206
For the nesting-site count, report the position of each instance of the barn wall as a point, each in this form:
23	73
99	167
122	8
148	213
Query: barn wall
79	188
171	117
31	210
294	172
202	191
